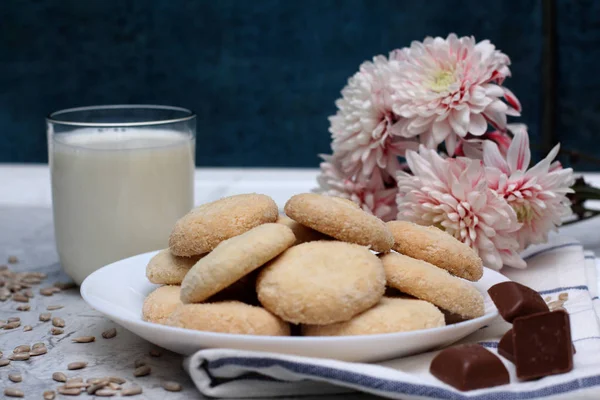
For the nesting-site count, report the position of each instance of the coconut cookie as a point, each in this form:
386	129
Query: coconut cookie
321	282
167	269
233	259
203	228
159	304
303	233
428	282
228	317
341	219
389	315
435	246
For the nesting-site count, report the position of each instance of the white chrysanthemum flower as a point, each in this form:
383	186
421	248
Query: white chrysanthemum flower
371	196
453	195
363	127
447	88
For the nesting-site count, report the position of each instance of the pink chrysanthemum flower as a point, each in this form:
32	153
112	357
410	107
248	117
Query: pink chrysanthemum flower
371	196
447	88
453	195
362	128
538	194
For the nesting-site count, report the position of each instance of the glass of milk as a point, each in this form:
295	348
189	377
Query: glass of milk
122	175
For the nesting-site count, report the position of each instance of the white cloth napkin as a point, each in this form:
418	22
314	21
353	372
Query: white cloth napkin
557	267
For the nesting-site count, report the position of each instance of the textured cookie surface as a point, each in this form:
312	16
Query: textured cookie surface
341	219
389	315
167	269
435	246
321	282
428	282
233	259
303	233
228	317
203	228
159	304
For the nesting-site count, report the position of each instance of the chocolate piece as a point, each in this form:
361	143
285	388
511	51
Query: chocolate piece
505	346
514	300
542	345
469	367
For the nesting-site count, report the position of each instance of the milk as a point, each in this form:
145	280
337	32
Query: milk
117	193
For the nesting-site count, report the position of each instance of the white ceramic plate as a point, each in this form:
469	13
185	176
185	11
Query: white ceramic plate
118	291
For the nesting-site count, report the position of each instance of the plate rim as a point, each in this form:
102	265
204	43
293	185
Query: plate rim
87	297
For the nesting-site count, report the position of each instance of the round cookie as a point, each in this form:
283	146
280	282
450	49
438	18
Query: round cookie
203	228
321	282
233	259
437	247
389	315
167	269
303	233
341	219
428	282
228	317
159	304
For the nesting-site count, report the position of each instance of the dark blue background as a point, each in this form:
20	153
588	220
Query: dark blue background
263	75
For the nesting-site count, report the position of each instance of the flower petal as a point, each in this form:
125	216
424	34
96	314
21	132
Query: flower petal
493	158
478	125
519	154
459	121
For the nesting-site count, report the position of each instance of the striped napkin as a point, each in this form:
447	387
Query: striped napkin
561	266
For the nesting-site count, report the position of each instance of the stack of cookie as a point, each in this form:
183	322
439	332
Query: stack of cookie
236	266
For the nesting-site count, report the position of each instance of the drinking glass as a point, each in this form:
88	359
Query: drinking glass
121	176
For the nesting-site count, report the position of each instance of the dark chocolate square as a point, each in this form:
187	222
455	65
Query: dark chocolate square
505	346
514	300
542	345
469	367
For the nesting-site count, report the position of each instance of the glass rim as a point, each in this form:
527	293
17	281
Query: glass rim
52	117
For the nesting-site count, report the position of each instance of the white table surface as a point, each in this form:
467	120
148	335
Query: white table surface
26	231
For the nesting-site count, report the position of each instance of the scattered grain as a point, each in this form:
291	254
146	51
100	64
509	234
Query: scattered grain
68	392
84	339
24	307
97	386
46	291
58	322
59	377
171	386
131	391
116	379
24	348
49	395
45	317
142	371
56	331
77	365
563	296
12	325
54	307
20	297
16	377
19	356
105	393
109	334
13	392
